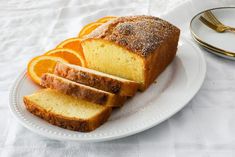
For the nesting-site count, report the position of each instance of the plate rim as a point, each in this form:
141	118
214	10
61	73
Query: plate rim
13	103
212	50
221	52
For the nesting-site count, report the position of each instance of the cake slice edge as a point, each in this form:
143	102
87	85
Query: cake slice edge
96	79
75	123
81	91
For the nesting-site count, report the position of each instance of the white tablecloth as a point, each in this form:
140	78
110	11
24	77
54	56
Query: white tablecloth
204	128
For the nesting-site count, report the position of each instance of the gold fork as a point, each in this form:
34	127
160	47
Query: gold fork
214	23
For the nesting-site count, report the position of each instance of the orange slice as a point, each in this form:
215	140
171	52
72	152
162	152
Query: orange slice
73	44
89	28
67	54
40	65
106	19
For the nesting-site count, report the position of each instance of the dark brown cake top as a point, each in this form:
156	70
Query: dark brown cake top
140	34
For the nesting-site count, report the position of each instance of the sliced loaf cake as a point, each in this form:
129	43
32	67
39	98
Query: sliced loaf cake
66	111
137	48
96	79
81	91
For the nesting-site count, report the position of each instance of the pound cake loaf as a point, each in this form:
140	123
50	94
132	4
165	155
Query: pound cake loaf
96	79
81	91
66	111
137	48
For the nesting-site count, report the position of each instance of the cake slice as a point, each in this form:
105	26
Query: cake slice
66	111
81	91
137	48
96	79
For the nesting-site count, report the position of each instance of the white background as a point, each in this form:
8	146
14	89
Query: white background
204	128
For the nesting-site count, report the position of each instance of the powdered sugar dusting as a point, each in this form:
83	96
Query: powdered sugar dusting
139	34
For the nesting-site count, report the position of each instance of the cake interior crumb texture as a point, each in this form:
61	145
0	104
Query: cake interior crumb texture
61	104
137	48
114	60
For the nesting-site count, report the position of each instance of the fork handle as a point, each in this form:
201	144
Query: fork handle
231	29
228	28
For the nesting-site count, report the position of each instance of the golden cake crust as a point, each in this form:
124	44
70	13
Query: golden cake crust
81	91
99	81
76	124
139	34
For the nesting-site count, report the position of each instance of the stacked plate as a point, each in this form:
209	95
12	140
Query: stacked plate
222	44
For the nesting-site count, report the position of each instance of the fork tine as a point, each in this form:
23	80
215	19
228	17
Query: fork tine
212	17
208	23
208	16
212	22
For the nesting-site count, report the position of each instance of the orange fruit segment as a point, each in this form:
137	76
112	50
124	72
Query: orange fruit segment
89	28
106	19
40	65
73	44
69	51
67	54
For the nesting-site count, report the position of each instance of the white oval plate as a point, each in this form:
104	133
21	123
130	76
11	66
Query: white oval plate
173	90
222	41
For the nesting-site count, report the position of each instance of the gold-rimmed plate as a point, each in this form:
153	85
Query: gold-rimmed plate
222	44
